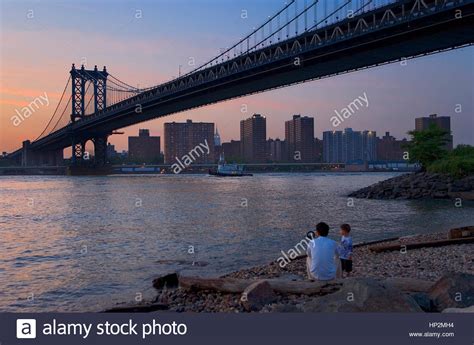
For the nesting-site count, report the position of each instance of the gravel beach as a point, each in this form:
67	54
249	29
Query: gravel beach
428	264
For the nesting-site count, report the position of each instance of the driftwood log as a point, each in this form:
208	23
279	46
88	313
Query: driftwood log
232	285
438	243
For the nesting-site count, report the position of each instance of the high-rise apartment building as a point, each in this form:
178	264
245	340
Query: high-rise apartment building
183	137
443	122
276	150
332	147
144	148
299	138
390	149
349	146
253	134
231	151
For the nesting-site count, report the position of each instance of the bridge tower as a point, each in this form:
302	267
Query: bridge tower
80	78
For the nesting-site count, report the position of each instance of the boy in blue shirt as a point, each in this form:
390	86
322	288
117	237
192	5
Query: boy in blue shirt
345	249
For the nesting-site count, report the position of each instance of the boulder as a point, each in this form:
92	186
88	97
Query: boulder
419	185
424	301
166	281
363	295
409	284
257	294
454	290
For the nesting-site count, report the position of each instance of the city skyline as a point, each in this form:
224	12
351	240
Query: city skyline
380	133
398	92
298	145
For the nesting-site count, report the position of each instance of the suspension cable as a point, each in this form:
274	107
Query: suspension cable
57	106
67	105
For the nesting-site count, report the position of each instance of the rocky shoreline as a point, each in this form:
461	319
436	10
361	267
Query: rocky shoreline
426	275
420	185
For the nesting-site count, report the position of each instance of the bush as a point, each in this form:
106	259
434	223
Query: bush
427	146
458	163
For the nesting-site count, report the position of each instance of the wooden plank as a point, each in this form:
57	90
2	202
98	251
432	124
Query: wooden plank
466	231
363	244
415	245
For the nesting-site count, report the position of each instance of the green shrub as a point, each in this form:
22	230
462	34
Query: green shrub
458	163
427	146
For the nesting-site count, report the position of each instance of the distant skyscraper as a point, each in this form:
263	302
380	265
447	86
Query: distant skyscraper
144	148
182	138
253	134
332	147
349	146
276	150
318	150
443	122
110	152
231	150
299	137
217	138
369	145
352	148
390	149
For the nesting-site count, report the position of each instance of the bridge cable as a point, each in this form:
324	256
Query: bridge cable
51	119
331	14
241	41
287	24
55	126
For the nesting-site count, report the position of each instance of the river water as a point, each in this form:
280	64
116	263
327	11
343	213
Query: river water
88	243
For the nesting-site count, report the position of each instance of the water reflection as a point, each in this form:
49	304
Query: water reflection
83	244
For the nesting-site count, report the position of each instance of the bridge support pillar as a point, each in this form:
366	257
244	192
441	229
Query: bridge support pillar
31	157
100	150
81	158
52	157
25	154
78	151
81	165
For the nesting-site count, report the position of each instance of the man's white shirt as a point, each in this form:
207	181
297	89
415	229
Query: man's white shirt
322	252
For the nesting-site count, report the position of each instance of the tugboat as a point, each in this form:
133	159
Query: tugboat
231	170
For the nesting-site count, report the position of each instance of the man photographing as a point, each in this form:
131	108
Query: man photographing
323	259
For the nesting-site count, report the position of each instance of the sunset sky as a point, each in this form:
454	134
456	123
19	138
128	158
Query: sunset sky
41	39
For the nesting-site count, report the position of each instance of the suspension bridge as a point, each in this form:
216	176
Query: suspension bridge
305	40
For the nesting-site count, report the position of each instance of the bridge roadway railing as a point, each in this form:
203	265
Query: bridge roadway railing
399	12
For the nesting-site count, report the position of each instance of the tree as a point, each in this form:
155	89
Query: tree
427	146
457	163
